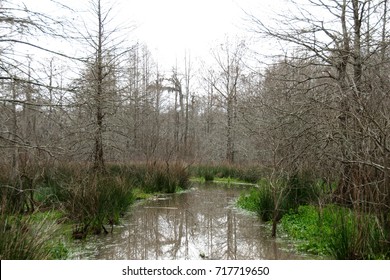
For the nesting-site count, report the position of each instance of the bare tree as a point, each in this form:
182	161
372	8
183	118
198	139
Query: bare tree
23	101
224	80
346	53
106	53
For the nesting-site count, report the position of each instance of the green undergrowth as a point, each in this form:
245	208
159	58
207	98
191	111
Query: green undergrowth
249	201
218	180
229	180
139	194
282	195
35	236
330	230
197	179
336	231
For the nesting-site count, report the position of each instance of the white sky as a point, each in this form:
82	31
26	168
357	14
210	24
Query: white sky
172	27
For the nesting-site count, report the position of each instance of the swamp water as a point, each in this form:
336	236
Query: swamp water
202	223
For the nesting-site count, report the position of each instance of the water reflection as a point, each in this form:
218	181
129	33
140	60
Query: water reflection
202	223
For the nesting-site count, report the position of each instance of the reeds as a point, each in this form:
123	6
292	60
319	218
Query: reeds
249	174
281	196
356	236
90	202
160	177
96	201
23	238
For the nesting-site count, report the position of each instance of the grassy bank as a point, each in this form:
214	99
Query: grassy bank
336	231
89	203
304	211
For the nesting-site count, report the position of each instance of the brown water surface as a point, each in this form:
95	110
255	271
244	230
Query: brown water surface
202	223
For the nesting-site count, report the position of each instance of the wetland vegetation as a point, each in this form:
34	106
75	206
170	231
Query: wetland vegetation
70	203
91	123
306	212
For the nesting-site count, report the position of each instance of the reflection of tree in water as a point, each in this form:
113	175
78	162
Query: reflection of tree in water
188	225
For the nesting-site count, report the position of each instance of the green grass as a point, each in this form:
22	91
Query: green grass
197	179
259	201
336	231
286	194
229	180
307	227
31	237
249	202
140	194
331	230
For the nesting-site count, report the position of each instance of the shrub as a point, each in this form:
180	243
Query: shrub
51	190
290	195
89	199
22	238
208	176
15	193
250	174
207	172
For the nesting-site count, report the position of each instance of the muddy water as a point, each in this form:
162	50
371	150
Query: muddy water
199	224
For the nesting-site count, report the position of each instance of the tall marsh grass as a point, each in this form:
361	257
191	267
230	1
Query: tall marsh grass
338	232
250	174
23	238
158	177
89	200
96	201
280	196
259	200
357	236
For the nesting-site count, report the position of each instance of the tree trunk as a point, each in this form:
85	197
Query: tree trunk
344	188
15	154
230	131
98	151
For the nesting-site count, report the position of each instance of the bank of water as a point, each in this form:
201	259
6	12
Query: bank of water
202	223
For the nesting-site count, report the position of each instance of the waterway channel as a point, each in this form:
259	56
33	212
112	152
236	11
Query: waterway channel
201	223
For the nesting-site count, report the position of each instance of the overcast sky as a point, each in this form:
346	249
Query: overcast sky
172	27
